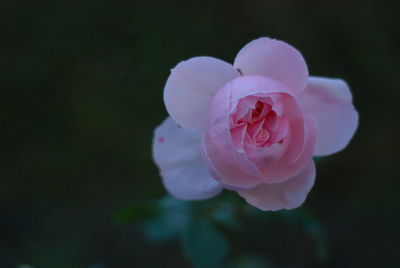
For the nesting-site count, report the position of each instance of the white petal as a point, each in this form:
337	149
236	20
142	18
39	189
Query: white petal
286	195
329	103
176	151
274	59
190	87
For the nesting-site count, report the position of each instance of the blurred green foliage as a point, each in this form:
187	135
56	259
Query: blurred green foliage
203	227
81	92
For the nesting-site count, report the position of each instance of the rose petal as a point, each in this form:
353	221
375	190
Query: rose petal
176	151
286	195
274	59
190	87
292	162
230	176
219	125
329	102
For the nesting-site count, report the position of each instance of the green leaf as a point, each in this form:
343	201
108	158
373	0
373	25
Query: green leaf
224	213
204	244
173	218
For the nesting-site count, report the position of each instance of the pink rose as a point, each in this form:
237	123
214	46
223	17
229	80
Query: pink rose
252	127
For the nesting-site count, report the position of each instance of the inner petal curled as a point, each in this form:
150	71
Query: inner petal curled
259	115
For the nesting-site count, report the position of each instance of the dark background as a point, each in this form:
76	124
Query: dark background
81	92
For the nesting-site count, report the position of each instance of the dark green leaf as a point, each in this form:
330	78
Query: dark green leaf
173	218
204	244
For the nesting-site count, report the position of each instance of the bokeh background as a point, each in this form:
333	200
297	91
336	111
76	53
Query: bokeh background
81	91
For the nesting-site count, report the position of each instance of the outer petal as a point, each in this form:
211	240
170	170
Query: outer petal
275	59
286	195
230	176
190	87
329	102
177	153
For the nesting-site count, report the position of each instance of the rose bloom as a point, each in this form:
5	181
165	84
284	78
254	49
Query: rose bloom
252	127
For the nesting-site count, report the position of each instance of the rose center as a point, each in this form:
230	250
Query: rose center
259	121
